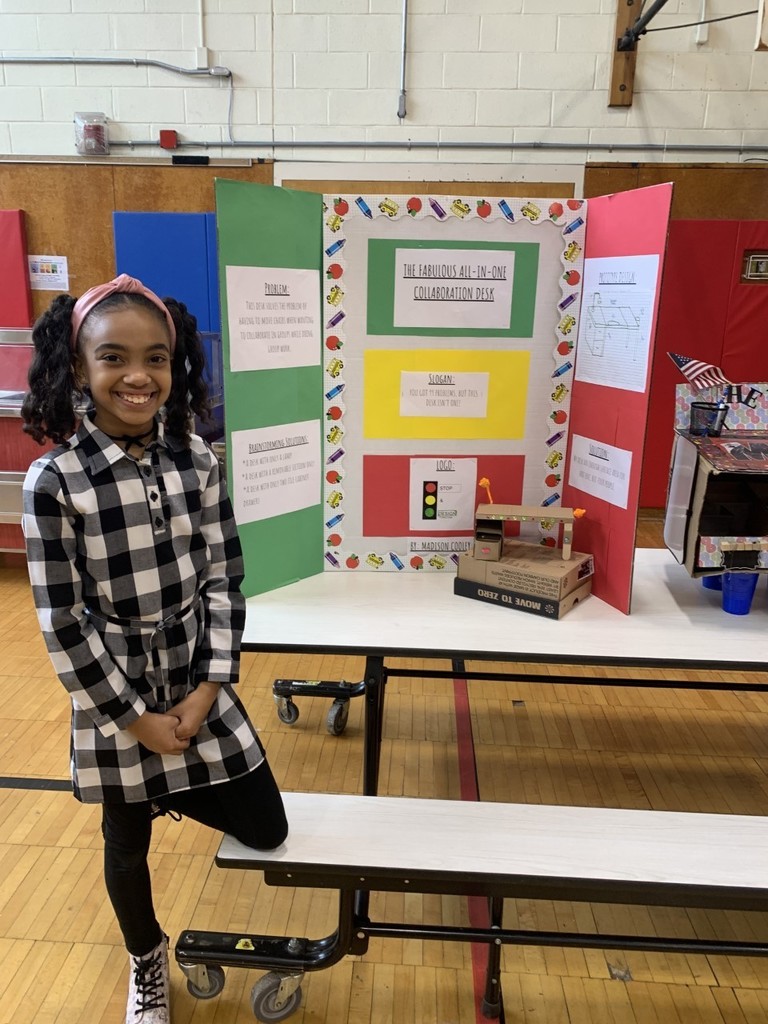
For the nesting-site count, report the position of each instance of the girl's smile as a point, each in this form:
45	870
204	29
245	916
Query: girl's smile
126	361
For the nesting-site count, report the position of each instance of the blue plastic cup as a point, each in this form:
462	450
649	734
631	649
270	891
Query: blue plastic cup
738	591
712	582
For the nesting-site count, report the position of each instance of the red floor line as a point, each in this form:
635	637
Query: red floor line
468	788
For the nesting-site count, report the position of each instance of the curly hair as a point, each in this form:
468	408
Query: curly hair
56	392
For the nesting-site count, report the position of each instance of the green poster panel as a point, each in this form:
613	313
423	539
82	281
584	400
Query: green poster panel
272	229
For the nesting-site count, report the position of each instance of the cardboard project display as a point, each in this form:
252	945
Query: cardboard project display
383	355
535	578
717	504
723	522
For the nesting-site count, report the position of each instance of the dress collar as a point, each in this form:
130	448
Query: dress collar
102	452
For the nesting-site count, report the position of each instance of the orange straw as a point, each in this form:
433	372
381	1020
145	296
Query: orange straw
486	483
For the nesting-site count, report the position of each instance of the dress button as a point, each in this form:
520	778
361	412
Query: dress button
147	471
153	496
158	521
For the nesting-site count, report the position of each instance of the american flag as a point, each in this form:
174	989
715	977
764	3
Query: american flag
701	375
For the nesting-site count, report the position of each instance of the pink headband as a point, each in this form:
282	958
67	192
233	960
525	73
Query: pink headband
123	283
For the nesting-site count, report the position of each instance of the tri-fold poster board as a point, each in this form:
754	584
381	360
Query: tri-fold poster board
392	361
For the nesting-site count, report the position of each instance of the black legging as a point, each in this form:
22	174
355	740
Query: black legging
249	808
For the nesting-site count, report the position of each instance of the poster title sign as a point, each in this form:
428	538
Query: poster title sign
444	394
450	288
273	316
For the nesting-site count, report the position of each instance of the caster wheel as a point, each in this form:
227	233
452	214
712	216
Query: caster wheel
491	1010
264	996
288	713
337	717
215	982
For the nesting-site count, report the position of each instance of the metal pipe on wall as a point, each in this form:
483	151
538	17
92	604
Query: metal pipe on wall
403	56
215	72
586	147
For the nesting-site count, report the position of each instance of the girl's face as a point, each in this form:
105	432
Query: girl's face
125	358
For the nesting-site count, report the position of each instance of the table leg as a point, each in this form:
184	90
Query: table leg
374	681
492	997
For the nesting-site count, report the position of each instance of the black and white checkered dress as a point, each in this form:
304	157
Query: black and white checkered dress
136	569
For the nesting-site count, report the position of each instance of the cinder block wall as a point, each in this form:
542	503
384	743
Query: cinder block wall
478	71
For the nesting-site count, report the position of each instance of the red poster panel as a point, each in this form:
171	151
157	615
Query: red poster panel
625	224
15	295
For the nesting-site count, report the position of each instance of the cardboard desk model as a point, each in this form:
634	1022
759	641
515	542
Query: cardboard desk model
717	503
529	577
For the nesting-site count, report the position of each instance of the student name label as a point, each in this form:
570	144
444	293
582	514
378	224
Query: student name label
450	288
444	394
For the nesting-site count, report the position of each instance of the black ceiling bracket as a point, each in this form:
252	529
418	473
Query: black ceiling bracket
629	40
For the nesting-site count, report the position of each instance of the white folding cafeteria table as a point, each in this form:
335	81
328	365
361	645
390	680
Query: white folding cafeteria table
675	624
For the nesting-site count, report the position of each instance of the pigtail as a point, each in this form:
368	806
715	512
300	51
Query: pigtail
189	393
48	409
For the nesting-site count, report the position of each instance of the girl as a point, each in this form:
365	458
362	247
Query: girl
136	568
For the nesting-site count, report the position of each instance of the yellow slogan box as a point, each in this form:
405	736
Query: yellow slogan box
445	394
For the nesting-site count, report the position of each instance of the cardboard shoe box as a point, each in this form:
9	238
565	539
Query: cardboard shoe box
530	570
544	606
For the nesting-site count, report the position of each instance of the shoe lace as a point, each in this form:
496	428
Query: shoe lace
156	811
148	979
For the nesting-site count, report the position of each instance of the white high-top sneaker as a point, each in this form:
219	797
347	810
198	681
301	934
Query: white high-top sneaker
149	987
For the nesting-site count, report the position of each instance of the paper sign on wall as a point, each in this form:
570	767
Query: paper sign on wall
48	273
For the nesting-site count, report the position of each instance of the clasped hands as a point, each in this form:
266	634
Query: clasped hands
171	732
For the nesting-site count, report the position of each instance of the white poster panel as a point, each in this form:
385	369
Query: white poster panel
442	494
444	394
468	288
274	317
511	353
275	470
600	469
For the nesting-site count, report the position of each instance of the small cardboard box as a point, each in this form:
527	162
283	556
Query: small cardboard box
489	539
530	603
531	569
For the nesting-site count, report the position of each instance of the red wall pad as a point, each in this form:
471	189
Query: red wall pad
15	295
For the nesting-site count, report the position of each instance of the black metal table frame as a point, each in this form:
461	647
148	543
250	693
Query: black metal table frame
294	956
291	957
373	685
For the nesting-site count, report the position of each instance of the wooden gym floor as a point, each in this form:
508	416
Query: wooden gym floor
60	949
